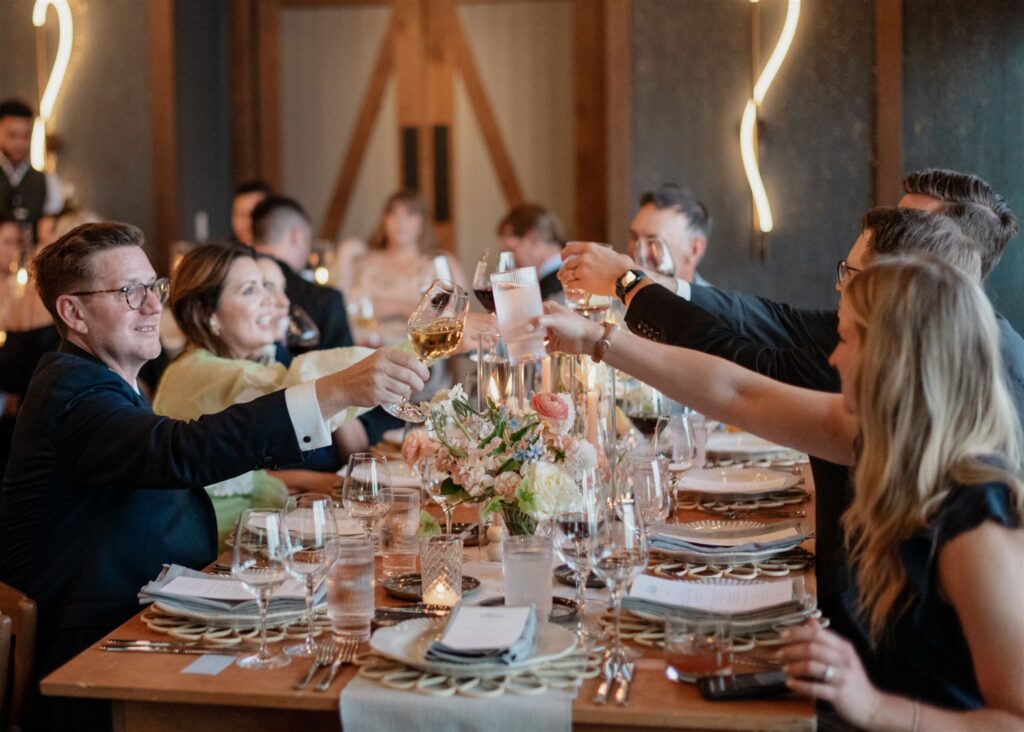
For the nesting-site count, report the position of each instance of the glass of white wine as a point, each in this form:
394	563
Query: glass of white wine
435	330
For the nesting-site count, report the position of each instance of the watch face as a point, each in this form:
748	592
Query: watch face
627	279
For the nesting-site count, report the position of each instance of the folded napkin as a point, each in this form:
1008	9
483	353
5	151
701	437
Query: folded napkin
680	538
465	639
750	601
187	590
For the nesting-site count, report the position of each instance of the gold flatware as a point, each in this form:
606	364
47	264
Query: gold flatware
347	654
324	655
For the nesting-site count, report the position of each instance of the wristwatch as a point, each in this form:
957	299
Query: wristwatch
627	282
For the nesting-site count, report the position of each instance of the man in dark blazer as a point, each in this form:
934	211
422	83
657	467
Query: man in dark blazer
282	229
793	345
99	491
534	236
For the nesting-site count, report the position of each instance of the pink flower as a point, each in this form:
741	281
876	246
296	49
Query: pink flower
505	484
417	445
550	406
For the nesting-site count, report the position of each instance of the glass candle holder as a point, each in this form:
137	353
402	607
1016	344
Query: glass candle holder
441	570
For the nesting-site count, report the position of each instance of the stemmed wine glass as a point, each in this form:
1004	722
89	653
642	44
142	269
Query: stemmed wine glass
259	560
652	253
618	554
651	489
482	287
675	444
366	491
312	529
644	405
574	533
432	481
302	334
435	329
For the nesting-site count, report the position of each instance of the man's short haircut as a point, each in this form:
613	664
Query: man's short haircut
528	217
15	108
256	185
904	230
66	265
6	219
273	216
992	233
670	195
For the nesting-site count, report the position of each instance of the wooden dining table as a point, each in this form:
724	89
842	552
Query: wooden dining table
149	692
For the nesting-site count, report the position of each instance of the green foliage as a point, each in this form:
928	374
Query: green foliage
428	526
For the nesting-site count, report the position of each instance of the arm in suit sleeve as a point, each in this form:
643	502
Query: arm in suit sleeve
660	315
105	439
766	321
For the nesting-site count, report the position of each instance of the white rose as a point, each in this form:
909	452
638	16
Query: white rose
554	490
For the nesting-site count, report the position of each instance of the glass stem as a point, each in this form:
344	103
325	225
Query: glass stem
617	613
263	604
581	597
310	624
447	519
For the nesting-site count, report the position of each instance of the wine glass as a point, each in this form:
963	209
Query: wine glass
675	444
651	489
366	491
644	405
311	525
573	536
259	560
432	481
618	554
435	329
303	334
652	253
482	287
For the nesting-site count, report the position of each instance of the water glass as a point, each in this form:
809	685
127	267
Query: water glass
517	301
259	560
573	536
350	602
526	563
398	532
696	648
618	555
441	570
366	490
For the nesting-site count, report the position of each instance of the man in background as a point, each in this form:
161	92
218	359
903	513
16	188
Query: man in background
534	236
26	195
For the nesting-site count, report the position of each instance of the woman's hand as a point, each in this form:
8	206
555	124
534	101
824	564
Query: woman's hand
567	332
823	665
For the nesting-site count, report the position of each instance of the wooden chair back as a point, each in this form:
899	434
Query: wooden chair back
17	666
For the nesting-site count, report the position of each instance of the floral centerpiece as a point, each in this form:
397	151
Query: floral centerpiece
526	466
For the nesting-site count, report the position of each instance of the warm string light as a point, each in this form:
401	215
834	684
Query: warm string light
748	123
65	27
321	275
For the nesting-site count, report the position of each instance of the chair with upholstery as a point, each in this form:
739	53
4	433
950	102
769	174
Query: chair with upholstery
16	673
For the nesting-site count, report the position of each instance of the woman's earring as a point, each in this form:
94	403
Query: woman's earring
214	328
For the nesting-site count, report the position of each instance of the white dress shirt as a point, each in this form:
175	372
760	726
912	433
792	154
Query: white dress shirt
54	201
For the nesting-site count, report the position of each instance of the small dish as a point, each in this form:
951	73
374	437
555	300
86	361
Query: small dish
567	576
410	586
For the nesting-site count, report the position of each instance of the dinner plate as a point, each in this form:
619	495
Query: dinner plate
402	476
736	481
562	608
238	621
741	443
408	643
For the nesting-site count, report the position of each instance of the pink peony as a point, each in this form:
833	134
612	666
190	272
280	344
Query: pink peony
550	406
417	445
505	484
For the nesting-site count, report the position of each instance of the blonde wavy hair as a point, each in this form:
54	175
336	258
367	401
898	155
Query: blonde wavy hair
932	401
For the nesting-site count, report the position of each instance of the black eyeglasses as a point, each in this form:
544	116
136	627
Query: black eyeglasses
842	270
135	294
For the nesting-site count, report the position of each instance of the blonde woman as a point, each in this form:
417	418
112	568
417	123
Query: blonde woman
934	530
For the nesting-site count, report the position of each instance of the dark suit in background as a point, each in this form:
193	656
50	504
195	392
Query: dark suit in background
550	286
326	307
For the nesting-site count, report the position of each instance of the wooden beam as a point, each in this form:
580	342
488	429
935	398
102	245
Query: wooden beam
589	119
357	144
618	26
888	101
268	17
440	117
244	92
165	131
485	117
411	88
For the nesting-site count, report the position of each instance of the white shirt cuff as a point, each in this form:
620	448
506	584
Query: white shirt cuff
311	430
683	289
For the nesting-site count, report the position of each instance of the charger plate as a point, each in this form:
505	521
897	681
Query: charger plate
222	619
408	643
712	527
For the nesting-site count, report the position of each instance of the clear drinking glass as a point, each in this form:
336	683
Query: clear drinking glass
618	555
303	334
259	560
517	301
651	489
350	602
435	330
573	537
432	481
526	564
652	253
676	444
366	490
696	648
398	533
312	525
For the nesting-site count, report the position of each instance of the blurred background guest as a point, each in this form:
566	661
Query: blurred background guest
534	235
25	194
247	196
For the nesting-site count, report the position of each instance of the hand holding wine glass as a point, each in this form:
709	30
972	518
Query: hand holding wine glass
652	254
482	287
435	330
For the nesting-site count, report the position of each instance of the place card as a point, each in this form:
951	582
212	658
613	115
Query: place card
230	590
210	664
712	598
475	628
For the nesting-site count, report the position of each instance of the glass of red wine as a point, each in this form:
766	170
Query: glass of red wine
644	404
482	276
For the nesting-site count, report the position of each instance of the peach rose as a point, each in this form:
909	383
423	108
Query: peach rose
416	446
505	484
550	406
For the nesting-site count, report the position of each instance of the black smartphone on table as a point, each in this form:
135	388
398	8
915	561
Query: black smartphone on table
743	686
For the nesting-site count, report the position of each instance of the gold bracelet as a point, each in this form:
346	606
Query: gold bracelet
602	345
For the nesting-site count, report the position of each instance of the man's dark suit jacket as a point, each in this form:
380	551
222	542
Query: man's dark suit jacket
326	307
100	492
793	346
550	286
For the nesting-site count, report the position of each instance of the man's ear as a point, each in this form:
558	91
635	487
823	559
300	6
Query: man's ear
70	311
698	245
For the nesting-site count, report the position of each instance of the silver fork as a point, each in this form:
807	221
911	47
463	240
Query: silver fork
625	679
611	670
347	654
324	655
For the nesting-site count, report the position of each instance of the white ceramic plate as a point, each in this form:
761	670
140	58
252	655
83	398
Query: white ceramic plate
736	481
408	643
401	475
741	443
221	619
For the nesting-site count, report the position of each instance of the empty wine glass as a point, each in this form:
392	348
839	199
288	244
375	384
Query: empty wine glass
311	525
435	330
675	444
618	554
574	533
303	334
432	481
259	560
652	253
651	489
366	491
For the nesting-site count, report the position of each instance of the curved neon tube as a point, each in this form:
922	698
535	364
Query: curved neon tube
65	26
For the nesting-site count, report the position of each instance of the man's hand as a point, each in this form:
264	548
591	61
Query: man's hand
567	332
592	267
385	377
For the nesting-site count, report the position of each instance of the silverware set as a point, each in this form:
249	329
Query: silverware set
618	673
334	655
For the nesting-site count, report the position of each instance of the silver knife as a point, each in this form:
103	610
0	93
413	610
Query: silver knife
181	650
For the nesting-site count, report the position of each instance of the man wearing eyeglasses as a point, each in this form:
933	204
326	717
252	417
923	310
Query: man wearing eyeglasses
100	492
